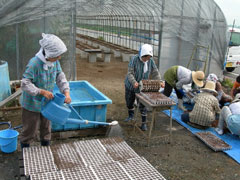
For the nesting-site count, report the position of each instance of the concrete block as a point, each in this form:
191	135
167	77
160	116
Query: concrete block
107	57
92	57
126	57
116	53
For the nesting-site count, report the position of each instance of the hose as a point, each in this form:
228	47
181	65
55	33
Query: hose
8	123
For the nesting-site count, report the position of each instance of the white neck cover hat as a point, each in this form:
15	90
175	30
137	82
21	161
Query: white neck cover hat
52	45
146	49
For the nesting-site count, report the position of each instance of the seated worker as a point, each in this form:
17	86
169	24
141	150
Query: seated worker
236	87
206	107
230	116
141	66
222	97
176	76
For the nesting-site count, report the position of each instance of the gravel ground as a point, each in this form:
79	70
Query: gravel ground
186	158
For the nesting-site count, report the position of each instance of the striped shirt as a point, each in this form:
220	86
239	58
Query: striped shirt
136	73
43	79
205	109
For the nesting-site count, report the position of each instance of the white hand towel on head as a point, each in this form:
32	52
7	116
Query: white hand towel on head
46	64
146	49
52	45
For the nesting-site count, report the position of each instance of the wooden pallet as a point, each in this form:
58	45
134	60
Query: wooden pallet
15	109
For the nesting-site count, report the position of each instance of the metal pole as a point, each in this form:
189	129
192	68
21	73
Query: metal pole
44	16
17	51
212	40
129	24
160	34
180	33
73	33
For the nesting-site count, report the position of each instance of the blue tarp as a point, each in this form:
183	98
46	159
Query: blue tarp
230	139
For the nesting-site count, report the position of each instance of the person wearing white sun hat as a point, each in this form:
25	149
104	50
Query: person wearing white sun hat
230	117
141	66
177	76
222	96
42	71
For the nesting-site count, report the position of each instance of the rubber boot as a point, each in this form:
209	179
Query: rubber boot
45	143
219	129
25	145
130	116
144	123
180	105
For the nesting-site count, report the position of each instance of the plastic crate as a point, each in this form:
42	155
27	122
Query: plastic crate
90	103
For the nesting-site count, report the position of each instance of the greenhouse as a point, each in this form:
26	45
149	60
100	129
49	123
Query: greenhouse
180	31
117	89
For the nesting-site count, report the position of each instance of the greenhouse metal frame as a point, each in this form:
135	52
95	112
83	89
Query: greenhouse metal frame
173	28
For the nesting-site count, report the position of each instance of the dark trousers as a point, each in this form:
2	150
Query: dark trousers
185	117
130	98
168	90
32	121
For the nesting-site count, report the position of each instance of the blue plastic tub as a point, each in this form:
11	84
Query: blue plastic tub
8	140
5	89
90	103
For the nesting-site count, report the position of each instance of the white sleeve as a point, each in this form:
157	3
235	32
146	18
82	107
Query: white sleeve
29	87
62	83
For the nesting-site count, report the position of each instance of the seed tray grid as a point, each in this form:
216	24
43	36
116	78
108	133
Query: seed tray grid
118	149
139	168
79	173
212	141
151	85
93	152
112	171
96	162
156	98
55	175
65	156
37	160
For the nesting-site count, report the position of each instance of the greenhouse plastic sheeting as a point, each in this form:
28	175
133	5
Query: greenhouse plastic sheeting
174	28
21	25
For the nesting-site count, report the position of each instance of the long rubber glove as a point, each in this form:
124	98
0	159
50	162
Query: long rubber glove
181	92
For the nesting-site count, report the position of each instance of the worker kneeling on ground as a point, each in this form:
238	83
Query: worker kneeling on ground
141	66
206	107
230	117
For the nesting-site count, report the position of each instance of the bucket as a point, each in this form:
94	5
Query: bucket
8	140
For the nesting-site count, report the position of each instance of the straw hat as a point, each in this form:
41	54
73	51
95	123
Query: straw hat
198	77
236	98
210	87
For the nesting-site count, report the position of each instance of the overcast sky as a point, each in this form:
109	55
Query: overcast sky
231	10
